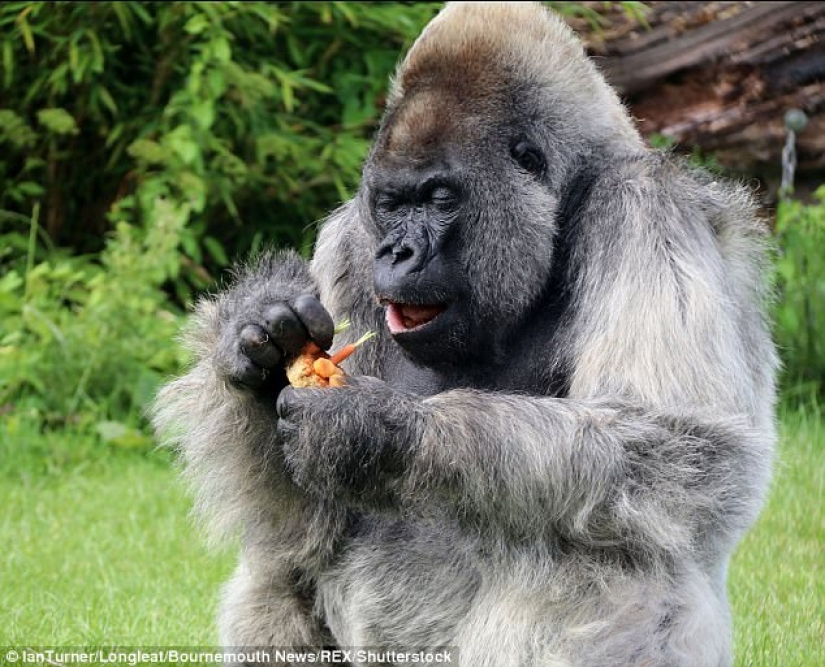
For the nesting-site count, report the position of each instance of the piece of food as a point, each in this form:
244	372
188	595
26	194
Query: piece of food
347	350
324	367
315	368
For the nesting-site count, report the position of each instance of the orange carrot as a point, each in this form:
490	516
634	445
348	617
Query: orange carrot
347	350
342	354
325	367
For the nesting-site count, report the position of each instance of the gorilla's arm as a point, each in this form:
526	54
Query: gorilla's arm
224	431
221	417
599	472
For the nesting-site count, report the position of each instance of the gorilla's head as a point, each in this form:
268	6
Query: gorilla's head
492	114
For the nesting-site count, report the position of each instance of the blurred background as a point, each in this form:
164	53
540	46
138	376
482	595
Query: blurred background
145	146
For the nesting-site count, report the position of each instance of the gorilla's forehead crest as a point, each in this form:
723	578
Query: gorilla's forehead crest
474	57
474	47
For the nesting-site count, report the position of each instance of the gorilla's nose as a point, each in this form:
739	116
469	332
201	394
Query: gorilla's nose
401	253
403	256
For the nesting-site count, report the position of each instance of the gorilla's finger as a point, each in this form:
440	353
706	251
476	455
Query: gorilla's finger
285	430
316	319
284	328
256	344
249	374
287	403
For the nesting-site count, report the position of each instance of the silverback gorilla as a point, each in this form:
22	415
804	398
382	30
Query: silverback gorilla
565	423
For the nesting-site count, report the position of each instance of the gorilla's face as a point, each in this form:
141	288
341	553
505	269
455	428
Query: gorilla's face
462	209
418	274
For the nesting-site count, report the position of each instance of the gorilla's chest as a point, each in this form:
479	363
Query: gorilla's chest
526	368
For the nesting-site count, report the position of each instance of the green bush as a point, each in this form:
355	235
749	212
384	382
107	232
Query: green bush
799	313
256	115
155	141
85	343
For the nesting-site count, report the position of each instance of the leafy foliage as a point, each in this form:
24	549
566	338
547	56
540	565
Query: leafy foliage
800	280
82	342
257	115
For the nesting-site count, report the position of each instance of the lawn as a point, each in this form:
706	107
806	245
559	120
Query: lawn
104	554
99	550
776	577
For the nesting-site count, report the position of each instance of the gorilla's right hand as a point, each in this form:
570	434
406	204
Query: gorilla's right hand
258	340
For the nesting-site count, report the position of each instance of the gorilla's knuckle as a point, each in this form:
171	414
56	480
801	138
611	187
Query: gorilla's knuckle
315	319
279	319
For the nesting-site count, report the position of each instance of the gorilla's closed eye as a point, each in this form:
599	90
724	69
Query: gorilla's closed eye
529	157
385	204
442	197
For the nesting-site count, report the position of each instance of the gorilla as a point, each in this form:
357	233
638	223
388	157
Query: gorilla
566	420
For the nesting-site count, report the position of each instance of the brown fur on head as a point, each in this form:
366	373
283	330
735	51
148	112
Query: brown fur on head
466	65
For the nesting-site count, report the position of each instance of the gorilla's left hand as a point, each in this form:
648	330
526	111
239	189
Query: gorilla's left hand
349	442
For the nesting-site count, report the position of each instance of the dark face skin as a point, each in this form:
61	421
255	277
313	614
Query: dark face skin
427	220
418	214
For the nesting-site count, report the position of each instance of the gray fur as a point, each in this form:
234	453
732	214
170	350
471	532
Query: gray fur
567	497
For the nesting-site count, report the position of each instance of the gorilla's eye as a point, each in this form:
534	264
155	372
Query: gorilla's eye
528	157
443	198
386	204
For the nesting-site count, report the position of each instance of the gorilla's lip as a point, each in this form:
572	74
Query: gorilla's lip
408	317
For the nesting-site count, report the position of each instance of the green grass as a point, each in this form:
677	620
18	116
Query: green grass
102	553
777	588
99	549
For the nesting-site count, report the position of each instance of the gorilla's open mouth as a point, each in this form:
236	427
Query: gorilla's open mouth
405	317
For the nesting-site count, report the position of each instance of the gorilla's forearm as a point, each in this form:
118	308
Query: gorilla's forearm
599	472
221	417
226	442
225	433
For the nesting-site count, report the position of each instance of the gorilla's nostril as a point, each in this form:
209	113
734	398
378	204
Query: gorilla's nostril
401	254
